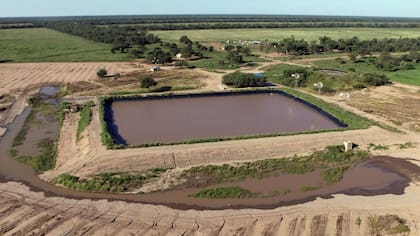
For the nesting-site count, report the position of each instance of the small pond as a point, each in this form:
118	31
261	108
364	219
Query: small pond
194	117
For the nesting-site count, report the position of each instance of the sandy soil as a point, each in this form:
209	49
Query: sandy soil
2	131
25	212
16	76
399	104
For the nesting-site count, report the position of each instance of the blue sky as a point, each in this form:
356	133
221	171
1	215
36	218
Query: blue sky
408	8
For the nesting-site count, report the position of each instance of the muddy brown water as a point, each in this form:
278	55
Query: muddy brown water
380	175
44	128
137	122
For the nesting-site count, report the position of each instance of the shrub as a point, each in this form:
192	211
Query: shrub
181	63
107	182
147	82
407	66
359	86
241	80
290	81
372	79
224	193
102	73
134	53
334	175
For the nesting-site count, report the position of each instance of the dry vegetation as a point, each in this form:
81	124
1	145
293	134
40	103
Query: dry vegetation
400	105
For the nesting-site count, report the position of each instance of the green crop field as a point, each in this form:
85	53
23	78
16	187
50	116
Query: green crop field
45	45
221	35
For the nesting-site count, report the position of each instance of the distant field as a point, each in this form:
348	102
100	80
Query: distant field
218	35
45	45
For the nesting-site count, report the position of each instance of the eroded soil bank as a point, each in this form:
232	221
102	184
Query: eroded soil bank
376	176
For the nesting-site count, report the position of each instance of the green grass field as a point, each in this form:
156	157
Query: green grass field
221	35
45	45
403	76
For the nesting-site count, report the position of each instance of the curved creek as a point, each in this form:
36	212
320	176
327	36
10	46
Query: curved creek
376	176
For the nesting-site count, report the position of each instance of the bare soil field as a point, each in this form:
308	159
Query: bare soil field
398	104
18	76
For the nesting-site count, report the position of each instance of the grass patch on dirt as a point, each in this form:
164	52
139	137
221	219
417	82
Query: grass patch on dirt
407	145
45	160
309	188
331	157
42	113
388	224
224	193
334	175
377	147
85	118
107	182
277	193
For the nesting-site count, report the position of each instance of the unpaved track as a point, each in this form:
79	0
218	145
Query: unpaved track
25	212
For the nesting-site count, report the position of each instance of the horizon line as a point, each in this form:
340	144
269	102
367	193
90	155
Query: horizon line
211	14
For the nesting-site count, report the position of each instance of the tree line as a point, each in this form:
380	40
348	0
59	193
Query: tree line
19	26
270	25
352	45
115	20
121	38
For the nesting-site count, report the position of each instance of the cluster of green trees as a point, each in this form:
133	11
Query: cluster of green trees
121	38
187	50
165	53
372	79
238	79
291	81
408	61
307	76
326	44
158	56
147	82
235	53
